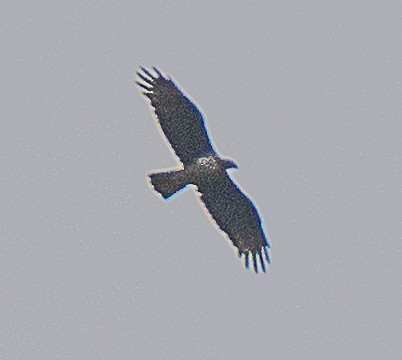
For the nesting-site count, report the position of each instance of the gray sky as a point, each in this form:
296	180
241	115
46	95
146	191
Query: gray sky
304	95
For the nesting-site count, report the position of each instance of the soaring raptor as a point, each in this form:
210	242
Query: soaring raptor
183	126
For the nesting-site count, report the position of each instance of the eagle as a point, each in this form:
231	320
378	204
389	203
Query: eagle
183	126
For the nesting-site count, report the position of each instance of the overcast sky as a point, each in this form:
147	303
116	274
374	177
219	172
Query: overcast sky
305	96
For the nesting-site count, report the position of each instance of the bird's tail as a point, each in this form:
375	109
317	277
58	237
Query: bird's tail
168	183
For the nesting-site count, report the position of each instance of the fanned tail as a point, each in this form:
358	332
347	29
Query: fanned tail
168	183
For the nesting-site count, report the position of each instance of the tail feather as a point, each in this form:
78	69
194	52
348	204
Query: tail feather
168	183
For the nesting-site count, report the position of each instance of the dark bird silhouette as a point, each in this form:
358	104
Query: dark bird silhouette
184	128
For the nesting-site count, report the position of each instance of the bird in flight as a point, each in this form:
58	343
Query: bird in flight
183	125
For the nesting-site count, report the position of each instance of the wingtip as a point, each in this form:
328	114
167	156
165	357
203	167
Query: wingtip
262	261
147	88
146	72
145	79
157	71
267	254
259	261
255	263
247	260
257	258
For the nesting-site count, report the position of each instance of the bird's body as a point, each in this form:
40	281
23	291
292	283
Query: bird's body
184	128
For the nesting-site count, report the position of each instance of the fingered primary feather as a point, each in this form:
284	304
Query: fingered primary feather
148	88
255	263
157	71
261	261
146	72
145	79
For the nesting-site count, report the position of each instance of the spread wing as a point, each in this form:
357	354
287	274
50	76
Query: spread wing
237	216
179	118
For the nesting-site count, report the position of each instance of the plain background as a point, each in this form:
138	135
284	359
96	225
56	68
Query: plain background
305	95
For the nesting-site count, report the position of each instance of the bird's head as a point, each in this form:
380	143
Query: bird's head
229	164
